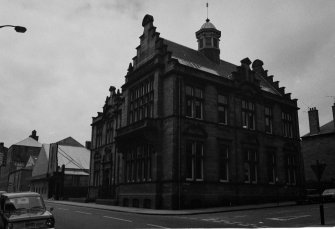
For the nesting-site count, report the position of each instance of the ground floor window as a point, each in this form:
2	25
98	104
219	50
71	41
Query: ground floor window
138	163
224	163
290	169
250	166
194	160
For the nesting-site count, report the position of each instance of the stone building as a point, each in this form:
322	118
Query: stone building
319	144
191	130
13	175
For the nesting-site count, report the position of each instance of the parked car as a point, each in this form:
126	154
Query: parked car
329	194
24	210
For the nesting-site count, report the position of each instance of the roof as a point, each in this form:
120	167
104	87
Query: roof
73	157
20	194
29	142
327	128
208	25
197	60
41	164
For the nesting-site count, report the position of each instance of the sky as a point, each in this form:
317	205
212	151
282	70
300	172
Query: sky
55	77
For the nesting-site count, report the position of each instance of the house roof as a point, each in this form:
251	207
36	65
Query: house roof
197	60
41	164
29	142
73	157
327	128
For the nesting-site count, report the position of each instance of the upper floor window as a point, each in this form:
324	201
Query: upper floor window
201	44
290	169
208	41
194	160
109	132
224	163
268	120
99	136
222	109
272	165
287	124
250	166
248	115
141	101
215	42
194	102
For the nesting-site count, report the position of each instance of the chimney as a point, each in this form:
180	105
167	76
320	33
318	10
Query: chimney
333	107
88	145
33	135
313	116
2	144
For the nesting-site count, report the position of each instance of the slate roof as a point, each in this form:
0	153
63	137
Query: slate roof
327	128
29	142
195	59
73	157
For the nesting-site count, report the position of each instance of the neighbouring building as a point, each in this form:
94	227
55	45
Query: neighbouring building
191	130
61	171
319	144
3	154
14	174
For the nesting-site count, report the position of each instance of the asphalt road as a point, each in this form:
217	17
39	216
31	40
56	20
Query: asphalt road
69	217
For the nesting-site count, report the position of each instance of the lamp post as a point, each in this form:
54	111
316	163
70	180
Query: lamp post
19	29
318	169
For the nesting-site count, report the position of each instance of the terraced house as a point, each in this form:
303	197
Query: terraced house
191	130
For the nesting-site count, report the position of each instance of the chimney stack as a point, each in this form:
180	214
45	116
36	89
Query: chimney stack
33	135
313	116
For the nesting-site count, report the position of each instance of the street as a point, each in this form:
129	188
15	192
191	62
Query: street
68	216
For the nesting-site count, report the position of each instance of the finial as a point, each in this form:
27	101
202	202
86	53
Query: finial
207	20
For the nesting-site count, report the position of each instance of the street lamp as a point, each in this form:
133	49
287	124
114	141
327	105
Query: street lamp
19	29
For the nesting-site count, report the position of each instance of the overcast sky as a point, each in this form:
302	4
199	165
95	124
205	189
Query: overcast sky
55	77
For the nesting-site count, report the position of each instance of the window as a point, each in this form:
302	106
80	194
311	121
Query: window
287	125
194	160
224	163
201	44
208	41
138	163
222	109
194	102
272	164
291	169
99	136
248	115
109	132
250	166
268	120
141	101
215	42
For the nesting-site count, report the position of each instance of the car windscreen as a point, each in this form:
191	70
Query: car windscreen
22	205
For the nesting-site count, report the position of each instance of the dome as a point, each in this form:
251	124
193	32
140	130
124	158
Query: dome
208	25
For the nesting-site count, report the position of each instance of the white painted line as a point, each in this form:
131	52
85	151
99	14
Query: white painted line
65	209
109	217
153	225
86	213
286	218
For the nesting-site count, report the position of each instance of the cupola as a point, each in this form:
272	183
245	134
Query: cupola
208	38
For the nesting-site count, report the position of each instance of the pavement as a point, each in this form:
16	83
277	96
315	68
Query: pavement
171	212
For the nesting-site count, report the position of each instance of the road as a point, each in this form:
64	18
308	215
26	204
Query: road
68	216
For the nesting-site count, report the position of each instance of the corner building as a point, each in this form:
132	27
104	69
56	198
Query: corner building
191	130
